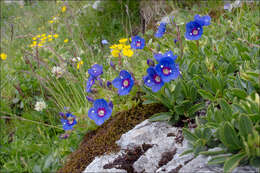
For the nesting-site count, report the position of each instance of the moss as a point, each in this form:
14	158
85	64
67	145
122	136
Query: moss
103	139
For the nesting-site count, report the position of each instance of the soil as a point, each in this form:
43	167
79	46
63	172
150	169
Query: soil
102	140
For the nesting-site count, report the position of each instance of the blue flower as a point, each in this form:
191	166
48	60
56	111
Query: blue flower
204	20
123	83
100	112
104	42
90	82
68	121
159	56
153	80
137	42
161	30
194	30
167	69
96	70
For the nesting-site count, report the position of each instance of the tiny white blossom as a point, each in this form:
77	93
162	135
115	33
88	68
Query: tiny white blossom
40	105
57	71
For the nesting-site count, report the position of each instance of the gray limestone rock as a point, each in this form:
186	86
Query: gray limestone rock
164	155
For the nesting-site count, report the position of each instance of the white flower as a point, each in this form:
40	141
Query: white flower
77	59
95	5
57	71
40	105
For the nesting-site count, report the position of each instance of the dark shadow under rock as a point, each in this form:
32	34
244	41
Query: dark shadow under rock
102	140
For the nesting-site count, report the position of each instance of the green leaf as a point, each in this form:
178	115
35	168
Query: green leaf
245	126
239	93
162	116
210	153
206	95
150	102
196	108
186	152
232	162
229	137
188	135
225	107
218	160
167	92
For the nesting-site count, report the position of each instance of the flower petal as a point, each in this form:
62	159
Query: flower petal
117	82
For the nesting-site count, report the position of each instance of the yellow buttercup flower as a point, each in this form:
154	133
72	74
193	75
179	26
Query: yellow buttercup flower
128	52
114	46
43	35
120	46
38	36
49	36
127	46
3	56
63	9
51	21
50	39
115	52
66	40
40	44
34	42
123	40
34	38
55	35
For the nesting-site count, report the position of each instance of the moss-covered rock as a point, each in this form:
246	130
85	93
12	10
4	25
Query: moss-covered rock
103	139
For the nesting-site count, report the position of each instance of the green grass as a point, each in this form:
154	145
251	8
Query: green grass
30	140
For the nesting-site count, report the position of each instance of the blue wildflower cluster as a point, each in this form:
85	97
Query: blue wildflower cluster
165	71
194	29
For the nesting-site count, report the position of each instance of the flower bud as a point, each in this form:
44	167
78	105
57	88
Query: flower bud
109	84
90	99
112	65
110	104
150	62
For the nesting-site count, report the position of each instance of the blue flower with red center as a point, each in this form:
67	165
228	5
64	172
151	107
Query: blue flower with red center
100	112
124	83
90	83
68	121
137	42
153	80
161	30
194	29
167	69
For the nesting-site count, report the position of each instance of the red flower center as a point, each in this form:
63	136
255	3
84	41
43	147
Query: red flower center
138	43
195	31
126	83
166	70
157	79
101	112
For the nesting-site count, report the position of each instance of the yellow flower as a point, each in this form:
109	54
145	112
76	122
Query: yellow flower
43	35
79	64
55	35
34	38
130	39
3	56
127	46
51	21
38	36
128	52
63	9
49	36
34	42
120	46
115	52
50	39
44	38
114	46
40	45
66	40
123	40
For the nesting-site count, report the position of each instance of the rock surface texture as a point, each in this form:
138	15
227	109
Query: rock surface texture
155	147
